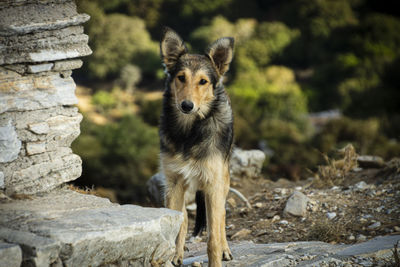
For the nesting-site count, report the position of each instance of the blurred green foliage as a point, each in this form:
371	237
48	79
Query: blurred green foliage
291	58
120	155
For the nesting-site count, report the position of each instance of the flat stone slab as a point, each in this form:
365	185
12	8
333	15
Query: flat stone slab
310	253
73	229
10	255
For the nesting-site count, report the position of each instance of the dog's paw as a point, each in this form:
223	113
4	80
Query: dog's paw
178	259
227	255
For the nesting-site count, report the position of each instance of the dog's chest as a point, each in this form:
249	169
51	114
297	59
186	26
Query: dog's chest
196	173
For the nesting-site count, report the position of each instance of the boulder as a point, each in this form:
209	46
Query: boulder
313	253
367	161
83	230
296	204
10	255
246	163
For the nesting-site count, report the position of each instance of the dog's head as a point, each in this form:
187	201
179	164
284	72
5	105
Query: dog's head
193	78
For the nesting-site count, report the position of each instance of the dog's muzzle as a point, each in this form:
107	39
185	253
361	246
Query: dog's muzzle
187	106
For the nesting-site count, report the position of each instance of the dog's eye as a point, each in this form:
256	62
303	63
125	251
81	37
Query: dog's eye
181	78
203	81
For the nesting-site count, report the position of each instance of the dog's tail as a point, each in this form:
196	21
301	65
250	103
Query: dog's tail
201	218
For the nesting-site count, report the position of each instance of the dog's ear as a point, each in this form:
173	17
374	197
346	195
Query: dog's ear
221	53
171	48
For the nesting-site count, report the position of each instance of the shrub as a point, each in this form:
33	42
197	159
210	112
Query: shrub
129	77
121	155
366	135
118	40
104	101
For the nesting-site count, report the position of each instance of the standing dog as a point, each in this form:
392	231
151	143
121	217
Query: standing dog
196	133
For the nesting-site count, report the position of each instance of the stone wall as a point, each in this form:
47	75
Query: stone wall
40	42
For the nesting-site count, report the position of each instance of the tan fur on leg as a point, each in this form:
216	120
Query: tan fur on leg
175	200
226	252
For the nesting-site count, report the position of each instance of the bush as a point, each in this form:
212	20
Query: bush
366	135
104	101
129	77
121	155
150	110
118	40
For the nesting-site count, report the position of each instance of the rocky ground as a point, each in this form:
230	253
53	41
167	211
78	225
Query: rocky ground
366	204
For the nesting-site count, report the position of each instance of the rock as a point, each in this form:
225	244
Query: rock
366	161
155	188
39	128
45	32
1	180
10	255
361	186
378	247
246	163
10	145
281	191
375	225
248	254
380	208
331	215
396	228
361	238
30	92
35	148
351	238
258	205
45	176
40	67
67	65
276	218
83	230
37	250
45	160
241	234
283	222
296	204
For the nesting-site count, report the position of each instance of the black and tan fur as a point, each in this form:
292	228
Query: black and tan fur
196	133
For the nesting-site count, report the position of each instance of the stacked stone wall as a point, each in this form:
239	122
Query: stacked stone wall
40	43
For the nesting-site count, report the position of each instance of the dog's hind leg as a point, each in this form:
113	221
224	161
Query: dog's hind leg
174	199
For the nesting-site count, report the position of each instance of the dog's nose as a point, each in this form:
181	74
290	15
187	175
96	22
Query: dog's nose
187	106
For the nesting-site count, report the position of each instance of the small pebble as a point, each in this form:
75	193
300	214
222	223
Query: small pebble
284	222
258	205
276	218
374	225
331	215
361	237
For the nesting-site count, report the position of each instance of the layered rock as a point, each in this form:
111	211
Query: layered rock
39	45
83	230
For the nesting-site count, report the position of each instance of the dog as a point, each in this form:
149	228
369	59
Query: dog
196	135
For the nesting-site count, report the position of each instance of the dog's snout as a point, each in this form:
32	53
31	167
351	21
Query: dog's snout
187	106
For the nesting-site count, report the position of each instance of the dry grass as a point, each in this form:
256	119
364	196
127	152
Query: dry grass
336	170
326	231
98	191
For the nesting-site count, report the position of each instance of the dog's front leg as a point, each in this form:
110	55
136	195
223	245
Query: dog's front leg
226	252
174	199
215	205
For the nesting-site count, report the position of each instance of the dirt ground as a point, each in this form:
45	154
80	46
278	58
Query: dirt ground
357	211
